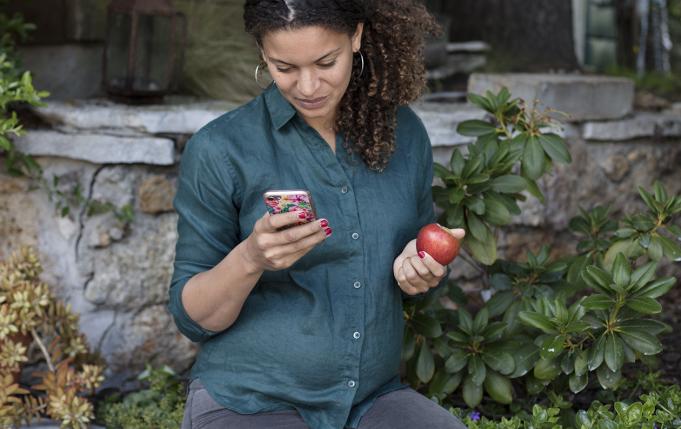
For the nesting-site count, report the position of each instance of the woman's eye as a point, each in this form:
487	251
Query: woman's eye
283	70
327	65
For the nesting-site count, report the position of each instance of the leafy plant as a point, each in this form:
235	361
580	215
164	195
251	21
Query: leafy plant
36	326
551	324
160	406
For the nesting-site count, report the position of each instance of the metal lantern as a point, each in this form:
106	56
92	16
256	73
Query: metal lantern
143	49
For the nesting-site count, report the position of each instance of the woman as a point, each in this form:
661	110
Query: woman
302	327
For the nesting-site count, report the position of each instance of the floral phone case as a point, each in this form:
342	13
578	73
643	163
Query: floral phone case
282	201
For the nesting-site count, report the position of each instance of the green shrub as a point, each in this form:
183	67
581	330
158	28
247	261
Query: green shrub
160	406
550	325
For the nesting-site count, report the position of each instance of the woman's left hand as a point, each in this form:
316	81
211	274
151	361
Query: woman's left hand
418	273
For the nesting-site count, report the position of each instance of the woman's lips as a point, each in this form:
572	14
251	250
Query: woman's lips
314	103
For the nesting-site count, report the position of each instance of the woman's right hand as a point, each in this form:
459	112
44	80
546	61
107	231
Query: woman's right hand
269	249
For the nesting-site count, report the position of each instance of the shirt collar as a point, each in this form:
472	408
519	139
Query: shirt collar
280	109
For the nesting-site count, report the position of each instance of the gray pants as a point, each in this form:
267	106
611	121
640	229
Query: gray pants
401	409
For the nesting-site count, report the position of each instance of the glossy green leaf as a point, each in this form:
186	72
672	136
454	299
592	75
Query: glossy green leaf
621	272
500	302
537	320
643	274
456	361
525	357
578	382
597	278
477	369
654	327
642	342
499	387
426	325
534	190
670	248
494	331
457	162
581	363
481	102
533	385
484	252
552	347
508	184
596	353
501	362
655	250
630	248
644	304
608	379
533	159
475	128
425	364
471	392
614	352
496	212
477	227
443	383
458	336
546	369
465	321
598	302
657	288
481	320
555	148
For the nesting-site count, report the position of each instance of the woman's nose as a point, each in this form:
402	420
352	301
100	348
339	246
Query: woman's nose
308	83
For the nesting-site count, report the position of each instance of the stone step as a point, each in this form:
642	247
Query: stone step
641	125
178	116
582	97
98	148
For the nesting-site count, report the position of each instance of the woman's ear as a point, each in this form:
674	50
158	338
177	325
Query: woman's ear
357	37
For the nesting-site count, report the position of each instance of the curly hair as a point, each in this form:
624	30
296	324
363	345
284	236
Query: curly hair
392	46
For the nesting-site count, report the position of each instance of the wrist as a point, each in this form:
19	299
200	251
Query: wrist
250	266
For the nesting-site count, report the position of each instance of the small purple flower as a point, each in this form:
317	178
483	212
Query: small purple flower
474	415
654	425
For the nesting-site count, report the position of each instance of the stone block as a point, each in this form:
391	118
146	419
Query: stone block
441	120
582	97
642	125
98	148
171	118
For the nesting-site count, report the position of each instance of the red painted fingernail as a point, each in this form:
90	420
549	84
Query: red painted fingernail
302	215
324	223
422	254
328	231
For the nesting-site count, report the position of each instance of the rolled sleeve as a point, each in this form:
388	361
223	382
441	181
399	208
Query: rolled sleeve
207	225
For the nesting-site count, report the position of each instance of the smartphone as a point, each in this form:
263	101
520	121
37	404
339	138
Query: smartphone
282	201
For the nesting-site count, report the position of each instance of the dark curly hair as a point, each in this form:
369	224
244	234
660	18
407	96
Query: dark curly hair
392	46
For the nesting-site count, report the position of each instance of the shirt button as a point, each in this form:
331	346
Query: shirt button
355	236
344	190
356	335
357	285
351	383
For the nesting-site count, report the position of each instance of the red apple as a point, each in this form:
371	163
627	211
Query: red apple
439	242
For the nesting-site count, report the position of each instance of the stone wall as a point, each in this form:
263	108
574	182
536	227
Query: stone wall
115	269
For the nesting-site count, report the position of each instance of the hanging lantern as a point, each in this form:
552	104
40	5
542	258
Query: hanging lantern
143	49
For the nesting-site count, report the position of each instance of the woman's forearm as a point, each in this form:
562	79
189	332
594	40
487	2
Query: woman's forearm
214	298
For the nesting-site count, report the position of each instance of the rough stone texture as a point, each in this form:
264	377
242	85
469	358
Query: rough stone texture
155	195
98	148
442	119
178	116
641	125
582	97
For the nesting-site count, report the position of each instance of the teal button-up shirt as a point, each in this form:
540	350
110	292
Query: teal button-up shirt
323	336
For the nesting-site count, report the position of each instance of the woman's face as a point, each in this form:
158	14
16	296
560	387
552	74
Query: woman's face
312	67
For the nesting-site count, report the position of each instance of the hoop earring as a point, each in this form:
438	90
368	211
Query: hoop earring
361	59
258	73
